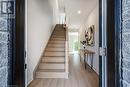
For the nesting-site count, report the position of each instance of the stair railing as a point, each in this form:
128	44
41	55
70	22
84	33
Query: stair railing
66	53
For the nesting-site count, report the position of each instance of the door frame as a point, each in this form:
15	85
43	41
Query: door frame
112	19
110	38
111	50
102	43
18	49
118	44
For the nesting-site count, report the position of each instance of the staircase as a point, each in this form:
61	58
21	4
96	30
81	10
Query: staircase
54	63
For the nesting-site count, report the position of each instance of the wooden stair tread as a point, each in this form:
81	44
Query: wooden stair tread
58	32
55	49
53	62
54	53
51	51
58	36
57	40
54	36
50	70
56	45
51	41
51	66
52	57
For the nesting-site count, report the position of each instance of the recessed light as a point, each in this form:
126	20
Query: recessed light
79	11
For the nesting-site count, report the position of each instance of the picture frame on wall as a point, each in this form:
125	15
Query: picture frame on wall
89	35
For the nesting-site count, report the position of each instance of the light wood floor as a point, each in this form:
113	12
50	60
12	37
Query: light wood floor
78	77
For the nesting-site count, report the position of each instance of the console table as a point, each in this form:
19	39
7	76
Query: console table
87	52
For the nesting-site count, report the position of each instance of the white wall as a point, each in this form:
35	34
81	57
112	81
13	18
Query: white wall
39	28
55	7
92	19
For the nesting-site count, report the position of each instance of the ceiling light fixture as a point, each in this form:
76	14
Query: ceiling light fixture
79	11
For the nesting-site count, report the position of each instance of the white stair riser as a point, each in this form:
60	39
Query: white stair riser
54	57
56	45
57	36
51	66
57	42
55	49
54	54
59	32
59	39
51	75
53	60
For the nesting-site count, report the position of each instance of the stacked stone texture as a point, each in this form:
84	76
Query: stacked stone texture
3	50
126	43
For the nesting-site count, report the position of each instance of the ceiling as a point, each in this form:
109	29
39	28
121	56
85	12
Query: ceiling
74	20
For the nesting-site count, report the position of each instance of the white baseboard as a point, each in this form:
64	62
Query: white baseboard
29	82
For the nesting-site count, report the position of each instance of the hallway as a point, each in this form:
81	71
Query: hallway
42	61
78	77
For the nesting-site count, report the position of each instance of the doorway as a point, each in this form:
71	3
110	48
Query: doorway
107	75
73	42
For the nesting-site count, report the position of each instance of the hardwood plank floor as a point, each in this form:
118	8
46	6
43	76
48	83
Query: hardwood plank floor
78	77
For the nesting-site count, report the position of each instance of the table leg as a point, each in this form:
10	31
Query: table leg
84	60
87	59
91	61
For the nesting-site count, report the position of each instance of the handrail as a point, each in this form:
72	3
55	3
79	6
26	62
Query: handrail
66	53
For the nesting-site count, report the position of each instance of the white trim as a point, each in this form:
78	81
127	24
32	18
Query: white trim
29	83
96	71
26	22
52	75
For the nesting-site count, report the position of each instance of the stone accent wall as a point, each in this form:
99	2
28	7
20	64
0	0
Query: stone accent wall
3	52
125	43
3	58
7	18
